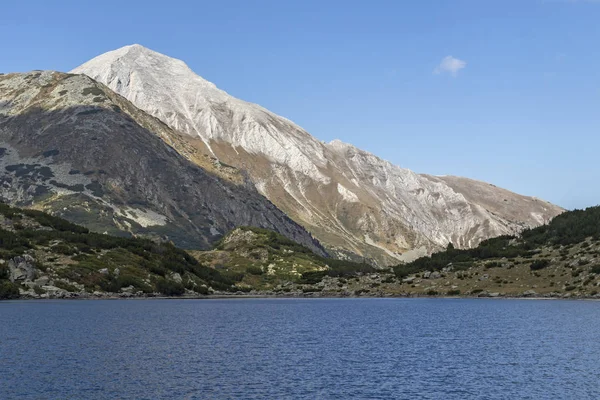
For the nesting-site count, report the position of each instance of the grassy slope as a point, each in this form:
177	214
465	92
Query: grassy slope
560	259
261	259
67	257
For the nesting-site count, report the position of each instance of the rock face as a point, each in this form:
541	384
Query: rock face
21	268
351	200
71	146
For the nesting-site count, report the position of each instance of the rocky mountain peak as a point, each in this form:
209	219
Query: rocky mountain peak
352	200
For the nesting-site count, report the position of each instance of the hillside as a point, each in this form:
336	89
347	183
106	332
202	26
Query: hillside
45	256
561	259
42	256
262	260
355	203
74	148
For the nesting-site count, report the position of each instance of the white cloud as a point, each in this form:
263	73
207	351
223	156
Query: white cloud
451	65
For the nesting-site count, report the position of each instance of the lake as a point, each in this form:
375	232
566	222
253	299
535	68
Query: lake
300	349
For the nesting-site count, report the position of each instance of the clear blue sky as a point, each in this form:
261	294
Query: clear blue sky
518	105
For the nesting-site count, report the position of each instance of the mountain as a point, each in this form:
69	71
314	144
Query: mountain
351	200
71	146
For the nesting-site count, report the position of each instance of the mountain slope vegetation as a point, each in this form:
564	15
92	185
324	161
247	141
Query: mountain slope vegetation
42	255
46	256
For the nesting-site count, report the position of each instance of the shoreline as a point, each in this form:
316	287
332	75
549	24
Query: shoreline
221	296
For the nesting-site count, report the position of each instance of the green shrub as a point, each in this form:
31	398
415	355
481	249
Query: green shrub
169	288
8	290
539	264
66	286
402	271
63	248
311	290
254	270
453	292
38	290
201	290
312	277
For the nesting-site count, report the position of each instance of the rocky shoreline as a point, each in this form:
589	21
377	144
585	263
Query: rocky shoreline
299	295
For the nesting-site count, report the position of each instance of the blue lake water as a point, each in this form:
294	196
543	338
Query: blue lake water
300	349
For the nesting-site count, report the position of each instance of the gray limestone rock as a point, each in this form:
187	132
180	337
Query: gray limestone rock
21	268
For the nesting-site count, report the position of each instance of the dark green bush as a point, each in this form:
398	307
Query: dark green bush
8	290
254	270
311	290
66	286
62	248
492	264
169	288
539	264
312	277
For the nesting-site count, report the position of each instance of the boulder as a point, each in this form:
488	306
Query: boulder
55	292
21	268
42	280
128	289
176	277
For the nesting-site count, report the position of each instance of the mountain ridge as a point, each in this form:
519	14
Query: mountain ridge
73	147
351	200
